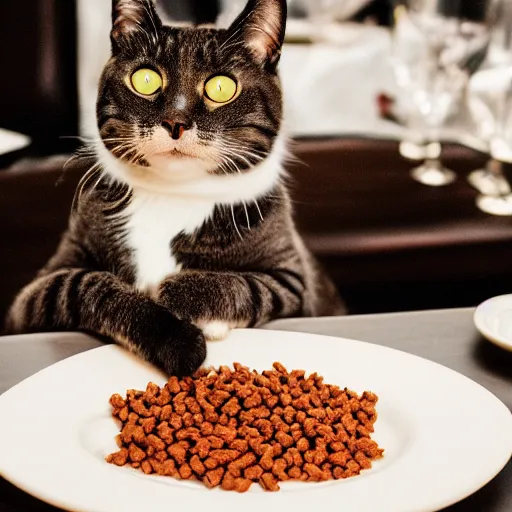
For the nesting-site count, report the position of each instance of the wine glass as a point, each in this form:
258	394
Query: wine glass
437	45
490	180
491	90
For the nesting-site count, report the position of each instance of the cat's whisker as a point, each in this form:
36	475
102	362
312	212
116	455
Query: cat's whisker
121	142
222	166
151	17
98	181
142	30
86	178
94	144
249	152
237	31
244	150
85	150
259	209
69	160
139	155
222	47
234	222
237	169
115	205
128	148
247	216
115	139
121	147
238	155
227	150
236	149
136	160
229	161
131	156
240	145
258	158
92	140
246	161
227	166
226	161
124	155
232	45
234	144
85	140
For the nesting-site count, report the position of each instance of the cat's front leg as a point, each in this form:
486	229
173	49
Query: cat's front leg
219	301
98	302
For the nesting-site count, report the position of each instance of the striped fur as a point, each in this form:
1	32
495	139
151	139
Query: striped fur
165	249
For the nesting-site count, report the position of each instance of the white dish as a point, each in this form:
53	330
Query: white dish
57	429
493	318
11	141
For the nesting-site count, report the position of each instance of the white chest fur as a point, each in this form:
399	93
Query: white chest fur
153	221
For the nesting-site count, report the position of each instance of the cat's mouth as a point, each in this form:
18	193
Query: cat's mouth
187	158
176	153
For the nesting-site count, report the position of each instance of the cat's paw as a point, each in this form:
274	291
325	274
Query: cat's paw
214	330
179	348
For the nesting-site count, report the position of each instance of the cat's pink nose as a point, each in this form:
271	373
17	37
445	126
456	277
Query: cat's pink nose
176	128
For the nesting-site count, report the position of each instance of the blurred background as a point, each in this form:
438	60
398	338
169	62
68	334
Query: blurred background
400	116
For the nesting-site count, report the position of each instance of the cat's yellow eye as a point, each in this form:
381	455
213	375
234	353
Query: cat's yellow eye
220	89
146	81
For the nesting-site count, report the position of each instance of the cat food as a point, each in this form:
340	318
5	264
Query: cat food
233	428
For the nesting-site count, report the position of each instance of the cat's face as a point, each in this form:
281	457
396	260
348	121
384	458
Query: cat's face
186	102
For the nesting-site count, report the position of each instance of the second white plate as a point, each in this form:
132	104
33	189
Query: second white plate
493	318
12	141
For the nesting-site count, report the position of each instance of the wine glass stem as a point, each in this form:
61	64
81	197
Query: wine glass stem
495	167
434	163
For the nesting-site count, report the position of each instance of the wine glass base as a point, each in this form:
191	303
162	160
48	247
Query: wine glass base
415	151
495	205
488	184
433	176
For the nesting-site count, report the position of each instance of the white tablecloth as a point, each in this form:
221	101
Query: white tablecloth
331	89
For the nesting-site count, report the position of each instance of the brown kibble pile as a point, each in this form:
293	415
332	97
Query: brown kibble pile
234	428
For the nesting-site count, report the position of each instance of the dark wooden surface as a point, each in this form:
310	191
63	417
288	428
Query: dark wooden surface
446	337
390	243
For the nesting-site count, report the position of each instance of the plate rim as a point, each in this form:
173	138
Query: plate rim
479	317
277	332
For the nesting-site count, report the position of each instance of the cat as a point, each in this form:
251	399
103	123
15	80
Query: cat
182	227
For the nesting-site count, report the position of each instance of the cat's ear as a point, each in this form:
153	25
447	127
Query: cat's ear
261	28
131	18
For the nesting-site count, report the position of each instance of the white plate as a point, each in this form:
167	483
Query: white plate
433	424
11	141
493	318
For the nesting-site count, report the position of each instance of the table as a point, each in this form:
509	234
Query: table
447	337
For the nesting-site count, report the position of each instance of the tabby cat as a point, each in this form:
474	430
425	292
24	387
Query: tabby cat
182	229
